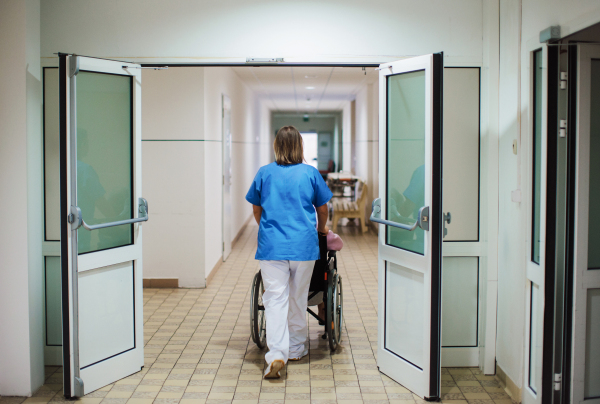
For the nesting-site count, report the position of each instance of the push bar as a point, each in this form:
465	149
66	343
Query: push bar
422	222
76	219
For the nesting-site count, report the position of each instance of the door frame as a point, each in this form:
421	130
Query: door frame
583	278
487	245
72	263
543	273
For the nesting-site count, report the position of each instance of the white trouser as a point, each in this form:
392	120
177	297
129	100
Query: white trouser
285	298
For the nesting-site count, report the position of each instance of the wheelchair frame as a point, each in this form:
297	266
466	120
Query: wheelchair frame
326	279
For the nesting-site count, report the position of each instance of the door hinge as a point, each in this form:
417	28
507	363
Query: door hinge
564	77
562	131
557	381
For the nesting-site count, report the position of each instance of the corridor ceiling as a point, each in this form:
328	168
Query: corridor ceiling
306	89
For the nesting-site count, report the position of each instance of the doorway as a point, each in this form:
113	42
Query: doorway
460	243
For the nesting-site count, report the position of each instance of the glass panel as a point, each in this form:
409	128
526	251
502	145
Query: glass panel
51	156
535	339
537	156
404	302
592	347
459	300
461	153
104	158
594	201
405	157
53	302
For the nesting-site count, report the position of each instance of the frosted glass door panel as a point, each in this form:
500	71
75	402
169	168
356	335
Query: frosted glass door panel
594	201
53	302
106	313
459	300
592	345
535	339
461	153
405	157
537	157
404	322
51	156
104	158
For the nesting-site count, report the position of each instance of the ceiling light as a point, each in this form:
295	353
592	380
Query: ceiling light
310	77
310	88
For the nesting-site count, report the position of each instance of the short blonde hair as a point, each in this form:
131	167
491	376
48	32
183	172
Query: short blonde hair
288	146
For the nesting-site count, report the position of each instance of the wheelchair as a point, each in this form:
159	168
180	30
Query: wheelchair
325	286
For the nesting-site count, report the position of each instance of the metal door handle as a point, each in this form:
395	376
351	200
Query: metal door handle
76	219
422	222
447	219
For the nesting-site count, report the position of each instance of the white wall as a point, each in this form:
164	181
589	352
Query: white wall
245	154
511	240
367	139
173	148
197	31
182	167
21	285
346	138
571	15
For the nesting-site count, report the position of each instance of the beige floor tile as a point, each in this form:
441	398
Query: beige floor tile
140	401
119	394
169	394
477	396
192	401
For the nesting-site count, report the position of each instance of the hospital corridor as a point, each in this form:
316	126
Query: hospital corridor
300	202
197	346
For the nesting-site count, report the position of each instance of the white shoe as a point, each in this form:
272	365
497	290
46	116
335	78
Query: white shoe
273	369
297	358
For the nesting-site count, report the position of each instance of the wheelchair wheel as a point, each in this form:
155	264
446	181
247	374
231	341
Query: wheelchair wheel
334	310
258	325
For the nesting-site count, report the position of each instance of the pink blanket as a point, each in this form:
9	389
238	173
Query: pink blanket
334	242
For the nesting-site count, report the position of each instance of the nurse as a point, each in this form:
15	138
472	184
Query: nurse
285	195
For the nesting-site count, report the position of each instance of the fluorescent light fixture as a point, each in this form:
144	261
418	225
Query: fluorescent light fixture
310	88
310	77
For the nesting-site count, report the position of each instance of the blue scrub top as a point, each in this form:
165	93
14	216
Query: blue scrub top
288	225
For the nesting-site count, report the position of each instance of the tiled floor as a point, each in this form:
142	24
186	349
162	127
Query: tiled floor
198	348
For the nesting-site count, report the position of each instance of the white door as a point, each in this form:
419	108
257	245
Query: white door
410	211
226	126
536	224
585	386
101	214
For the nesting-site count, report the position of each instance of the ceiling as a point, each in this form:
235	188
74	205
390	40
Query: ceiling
306	89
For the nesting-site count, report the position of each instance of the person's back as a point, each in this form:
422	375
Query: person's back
285	195
288	196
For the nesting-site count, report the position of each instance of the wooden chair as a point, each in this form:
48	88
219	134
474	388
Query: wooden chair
351	210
